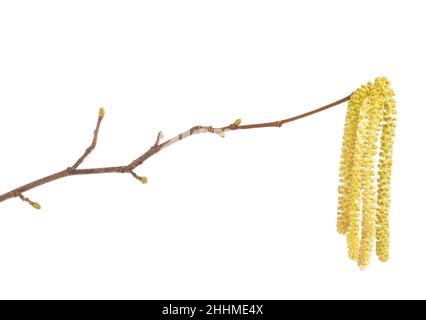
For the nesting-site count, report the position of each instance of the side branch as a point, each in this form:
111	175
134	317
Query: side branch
157	147
94	141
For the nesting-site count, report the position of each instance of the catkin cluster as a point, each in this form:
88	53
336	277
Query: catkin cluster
365	172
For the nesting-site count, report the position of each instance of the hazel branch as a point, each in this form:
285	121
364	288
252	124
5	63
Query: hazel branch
157	147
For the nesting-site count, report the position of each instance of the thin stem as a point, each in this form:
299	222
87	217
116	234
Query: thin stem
159	137
94	141
157	147
32	203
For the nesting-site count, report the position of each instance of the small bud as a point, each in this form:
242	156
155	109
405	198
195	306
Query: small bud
101	112
36	205
161	135
144	180
222	134
237	122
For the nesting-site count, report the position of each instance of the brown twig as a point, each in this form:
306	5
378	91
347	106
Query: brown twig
32	203
159	137
157	147
94	141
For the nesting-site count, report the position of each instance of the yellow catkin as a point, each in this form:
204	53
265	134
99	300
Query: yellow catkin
354	185
370	116
346	163
374	111
385	170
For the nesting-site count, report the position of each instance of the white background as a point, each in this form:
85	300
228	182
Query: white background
248	216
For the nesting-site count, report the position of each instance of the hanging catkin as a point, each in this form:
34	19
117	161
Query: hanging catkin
362	191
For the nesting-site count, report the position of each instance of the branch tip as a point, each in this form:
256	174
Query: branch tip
101	112
36	205
160	136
